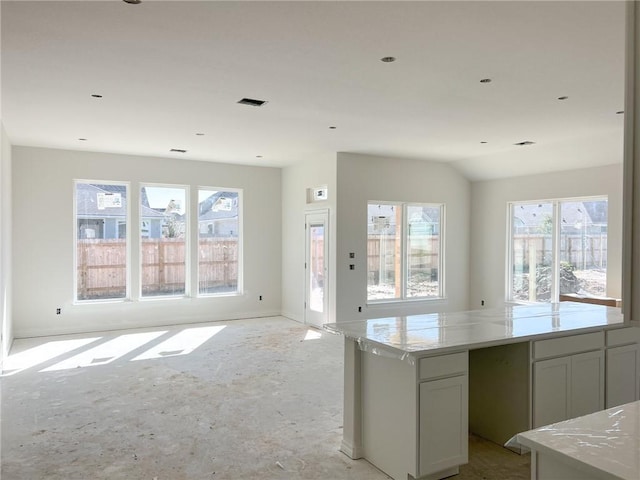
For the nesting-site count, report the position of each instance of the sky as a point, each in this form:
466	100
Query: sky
159	197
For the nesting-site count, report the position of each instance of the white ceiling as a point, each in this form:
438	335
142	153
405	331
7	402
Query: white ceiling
170	69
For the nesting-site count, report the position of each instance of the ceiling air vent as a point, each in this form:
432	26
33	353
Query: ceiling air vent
252	102
178	150
522	144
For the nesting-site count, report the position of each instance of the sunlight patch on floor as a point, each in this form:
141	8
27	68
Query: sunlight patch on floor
106	352
312	335
42	353
182	343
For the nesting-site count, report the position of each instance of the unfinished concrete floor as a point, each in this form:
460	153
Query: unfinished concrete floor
258	398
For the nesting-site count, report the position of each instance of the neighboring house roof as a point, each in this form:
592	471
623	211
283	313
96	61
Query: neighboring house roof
87	202
384	217
218	206
532	215
573	214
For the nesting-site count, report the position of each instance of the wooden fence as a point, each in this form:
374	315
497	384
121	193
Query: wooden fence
425	257
163	266
583	252
102	267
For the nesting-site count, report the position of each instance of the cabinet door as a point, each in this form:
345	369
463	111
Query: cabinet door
551	401
444	424
587	383
623	375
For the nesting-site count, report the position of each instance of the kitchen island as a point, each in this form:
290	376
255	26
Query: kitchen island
600	446
416	385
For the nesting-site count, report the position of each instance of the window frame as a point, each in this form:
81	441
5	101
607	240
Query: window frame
555	241
240	282
187	242
127	275
404	254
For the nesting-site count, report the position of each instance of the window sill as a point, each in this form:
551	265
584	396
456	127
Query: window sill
101	301
220	295
407	302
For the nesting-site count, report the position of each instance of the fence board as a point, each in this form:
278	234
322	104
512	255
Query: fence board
102	266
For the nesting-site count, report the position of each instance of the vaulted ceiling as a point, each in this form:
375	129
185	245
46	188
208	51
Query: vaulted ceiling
169	75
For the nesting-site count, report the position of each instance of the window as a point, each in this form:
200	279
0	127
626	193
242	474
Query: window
163	235
558	247
404	246
101	216
218	241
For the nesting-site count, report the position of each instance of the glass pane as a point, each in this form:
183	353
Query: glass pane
383	251
218	241
583	247
316	267
163	232
101	248
532	252
423	251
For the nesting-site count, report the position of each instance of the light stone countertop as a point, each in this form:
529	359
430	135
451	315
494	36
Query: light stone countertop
605	444
411	335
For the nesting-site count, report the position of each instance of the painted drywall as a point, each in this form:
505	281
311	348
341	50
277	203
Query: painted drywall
43	241
489	219
296	179
5	243
363	178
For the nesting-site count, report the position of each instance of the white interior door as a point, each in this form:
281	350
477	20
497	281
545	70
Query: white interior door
316	267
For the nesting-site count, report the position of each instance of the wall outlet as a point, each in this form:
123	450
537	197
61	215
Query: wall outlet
58	311
482	303
260	297
360	309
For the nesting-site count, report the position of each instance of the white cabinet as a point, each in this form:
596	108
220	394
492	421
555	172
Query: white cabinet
569	385
587	383
415	416
551	391
443	424
623	366
443	413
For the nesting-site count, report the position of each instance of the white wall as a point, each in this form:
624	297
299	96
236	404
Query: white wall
5	243
295	181
489	223
362	178
43	241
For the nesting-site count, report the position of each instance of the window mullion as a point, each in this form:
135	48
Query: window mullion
404	251
510	256
555	238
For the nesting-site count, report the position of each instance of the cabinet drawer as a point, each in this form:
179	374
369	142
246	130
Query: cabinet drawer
556	347
444	365
623	336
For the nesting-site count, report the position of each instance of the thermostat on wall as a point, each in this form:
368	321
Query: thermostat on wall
317	194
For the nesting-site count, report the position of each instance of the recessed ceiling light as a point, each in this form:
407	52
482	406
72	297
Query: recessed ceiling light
388	59
563	98
252	102
485	80
619	112
132	2
526	142
82	139
96	95
178	150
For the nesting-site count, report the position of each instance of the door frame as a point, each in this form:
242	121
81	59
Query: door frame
309	214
